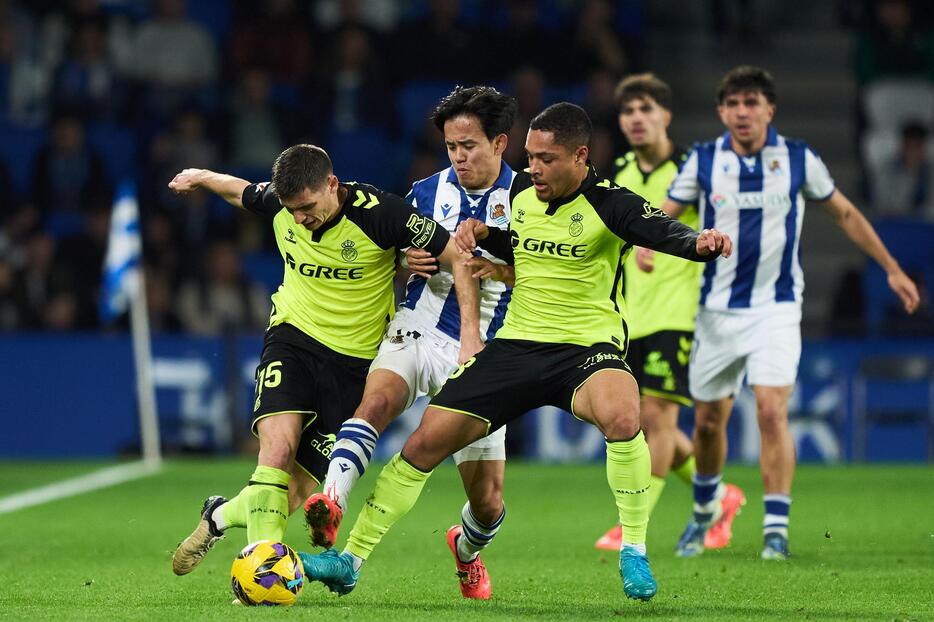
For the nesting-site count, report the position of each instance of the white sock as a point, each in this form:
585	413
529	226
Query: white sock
639	547
475	536
217	517
352	451
357	561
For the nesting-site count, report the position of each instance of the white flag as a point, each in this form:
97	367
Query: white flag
124	249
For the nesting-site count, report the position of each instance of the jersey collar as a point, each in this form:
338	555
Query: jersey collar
504	180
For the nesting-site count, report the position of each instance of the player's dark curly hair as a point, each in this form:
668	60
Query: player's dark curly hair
496	111
640	85
300	167
568	122
747	78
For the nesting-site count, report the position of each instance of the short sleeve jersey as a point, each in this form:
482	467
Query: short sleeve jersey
337	285
758	200
666	297
568	257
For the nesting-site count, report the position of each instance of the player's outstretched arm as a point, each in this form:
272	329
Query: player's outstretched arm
862	233
227	187
468	301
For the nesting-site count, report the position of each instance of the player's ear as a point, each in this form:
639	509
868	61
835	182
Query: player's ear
581	154
332	183
499	144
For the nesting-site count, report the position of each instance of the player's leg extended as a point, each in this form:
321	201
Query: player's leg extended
610	400
777	461
262	506
481	516
659	417
397	488
384	398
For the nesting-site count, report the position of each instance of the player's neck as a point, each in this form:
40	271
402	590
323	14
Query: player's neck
648	157
750	148
342	193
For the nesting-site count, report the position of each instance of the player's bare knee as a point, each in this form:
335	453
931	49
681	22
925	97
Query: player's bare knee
488	506
707	428
773	419
421	452
624	426
377	410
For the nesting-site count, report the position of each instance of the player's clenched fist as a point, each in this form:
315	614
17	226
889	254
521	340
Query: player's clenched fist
469	233
186	181
711	242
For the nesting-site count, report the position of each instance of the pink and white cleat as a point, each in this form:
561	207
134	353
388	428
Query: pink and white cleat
720	533
474	579
611	540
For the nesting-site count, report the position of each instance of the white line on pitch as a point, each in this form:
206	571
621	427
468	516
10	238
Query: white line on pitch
110	476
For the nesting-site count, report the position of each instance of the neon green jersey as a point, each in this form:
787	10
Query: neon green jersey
666	298
568	256
337	285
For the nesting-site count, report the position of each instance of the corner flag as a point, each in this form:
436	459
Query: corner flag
121	280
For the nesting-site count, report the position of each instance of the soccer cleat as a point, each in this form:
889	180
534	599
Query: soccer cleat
192	549
691	542
638	582
474	579
611	540
720	533
323	516
776	547
333	569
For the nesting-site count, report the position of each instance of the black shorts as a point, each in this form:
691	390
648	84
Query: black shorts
511	377
660	364
297	374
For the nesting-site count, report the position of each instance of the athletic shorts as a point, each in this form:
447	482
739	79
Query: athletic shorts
425	360
297	374
660	364
764	345
512	376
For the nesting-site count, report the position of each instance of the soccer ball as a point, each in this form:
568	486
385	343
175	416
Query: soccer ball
267	573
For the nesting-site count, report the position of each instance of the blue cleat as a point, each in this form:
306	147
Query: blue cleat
691	542
776	547
638	582
333	569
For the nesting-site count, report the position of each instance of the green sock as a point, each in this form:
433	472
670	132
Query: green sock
685	471
397	489
655	491
262	506
629	473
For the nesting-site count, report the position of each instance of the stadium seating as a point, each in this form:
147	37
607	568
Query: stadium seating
890	104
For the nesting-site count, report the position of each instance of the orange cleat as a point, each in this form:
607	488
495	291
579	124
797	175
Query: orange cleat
611	540
719	534
323	516
475	582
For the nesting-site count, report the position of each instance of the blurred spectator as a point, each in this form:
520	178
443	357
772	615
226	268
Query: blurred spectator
83	254
39	282
160	301
602	150
601	106
528	87
24	83
431	46
173	56
894	45
59	26
87	81
68	177
355	94
596	44
186	145
223	299
255	130
10	309
733	22
274	36
522	43
380	15
902	183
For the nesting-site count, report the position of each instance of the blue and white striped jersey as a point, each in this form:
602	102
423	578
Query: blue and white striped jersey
433	302
759	202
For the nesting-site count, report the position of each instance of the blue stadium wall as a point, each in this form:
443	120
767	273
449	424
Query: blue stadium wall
75	397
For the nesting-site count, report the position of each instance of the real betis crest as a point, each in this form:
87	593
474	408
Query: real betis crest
349	253
576	228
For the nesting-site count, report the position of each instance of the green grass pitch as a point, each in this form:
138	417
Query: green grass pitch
862	544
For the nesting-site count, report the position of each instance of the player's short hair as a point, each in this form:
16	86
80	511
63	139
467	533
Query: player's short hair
747	78
640	85
496	111
300	167
568	122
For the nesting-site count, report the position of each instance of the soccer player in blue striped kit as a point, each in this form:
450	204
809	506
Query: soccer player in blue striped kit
752	184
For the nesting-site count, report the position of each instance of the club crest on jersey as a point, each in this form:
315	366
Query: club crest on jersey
290	236
576	228
649	211
349	253
775	167
498	214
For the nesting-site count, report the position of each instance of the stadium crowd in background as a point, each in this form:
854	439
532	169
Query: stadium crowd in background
94	91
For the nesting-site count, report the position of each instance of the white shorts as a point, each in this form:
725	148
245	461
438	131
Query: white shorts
425	360
762	345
